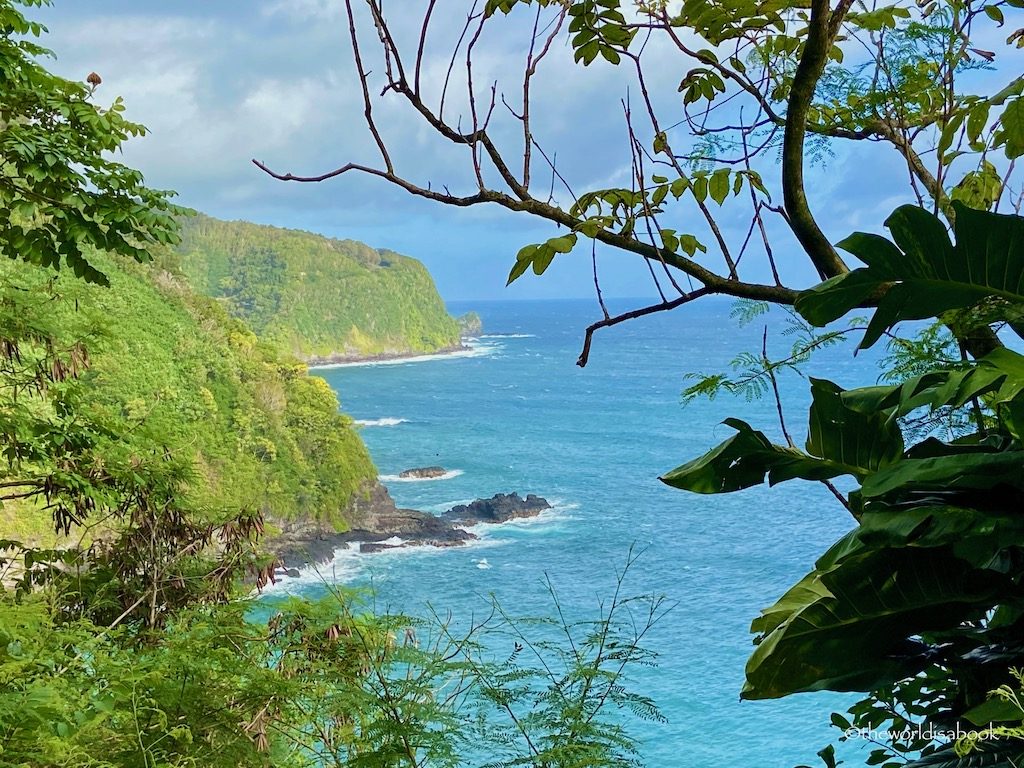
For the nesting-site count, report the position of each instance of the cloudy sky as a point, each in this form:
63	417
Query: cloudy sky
219	83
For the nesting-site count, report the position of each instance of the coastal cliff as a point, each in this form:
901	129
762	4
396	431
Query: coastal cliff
321	299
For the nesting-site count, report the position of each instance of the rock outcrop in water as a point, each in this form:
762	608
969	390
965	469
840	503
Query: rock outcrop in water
500	508
381	526
422	473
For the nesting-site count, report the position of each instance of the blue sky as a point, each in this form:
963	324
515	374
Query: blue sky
219	83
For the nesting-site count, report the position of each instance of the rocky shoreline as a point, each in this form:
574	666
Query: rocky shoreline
380	526
344	358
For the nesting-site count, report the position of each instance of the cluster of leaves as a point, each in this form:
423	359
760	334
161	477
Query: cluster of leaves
752	374
147	421
60	191
313	296
317	683
637	211
920	603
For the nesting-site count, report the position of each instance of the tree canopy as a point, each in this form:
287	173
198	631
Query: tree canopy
62	192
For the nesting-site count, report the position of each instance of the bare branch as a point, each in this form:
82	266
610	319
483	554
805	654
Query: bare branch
632	315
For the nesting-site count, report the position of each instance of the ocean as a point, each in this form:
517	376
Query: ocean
515	413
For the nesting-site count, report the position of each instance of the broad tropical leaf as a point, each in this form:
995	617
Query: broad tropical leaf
954	472
847	437
999	377
923	274
841	441
851	627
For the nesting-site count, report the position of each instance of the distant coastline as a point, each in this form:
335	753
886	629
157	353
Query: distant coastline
340	360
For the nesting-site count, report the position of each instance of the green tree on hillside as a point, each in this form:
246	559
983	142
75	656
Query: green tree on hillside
61	192
313	296
155	431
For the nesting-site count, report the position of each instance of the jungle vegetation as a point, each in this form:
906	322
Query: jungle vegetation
315	297
150	440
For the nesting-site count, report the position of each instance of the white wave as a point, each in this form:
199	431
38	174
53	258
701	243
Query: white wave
385	422
509	336
547	517
563	506
349	564
345	566
473	350
398	479
482	564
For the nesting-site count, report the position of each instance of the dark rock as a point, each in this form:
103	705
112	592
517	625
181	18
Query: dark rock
500	508
420	472
375	519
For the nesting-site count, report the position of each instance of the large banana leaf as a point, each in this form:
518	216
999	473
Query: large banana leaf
841	441
923	274
999	375
939	526
852	627
955	472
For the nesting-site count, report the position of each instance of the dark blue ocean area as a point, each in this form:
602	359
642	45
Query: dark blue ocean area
515	413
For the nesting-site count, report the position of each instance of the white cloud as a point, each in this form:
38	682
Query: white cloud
304	10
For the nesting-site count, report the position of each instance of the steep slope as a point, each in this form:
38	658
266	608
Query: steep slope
171	371
318	298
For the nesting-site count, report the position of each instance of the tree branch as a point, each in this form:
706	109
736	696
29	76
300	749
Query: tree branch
820	37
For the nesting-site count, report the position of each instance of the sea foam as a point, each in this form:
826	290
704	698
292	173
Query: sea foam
475	349
387	421
398	479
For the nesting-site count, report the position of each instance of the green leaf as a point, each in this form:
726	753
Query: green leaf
947	473
844	628
542	260
995	710
718	185
835	297
1012	121
699	186
562	244
863	442
929	275
518	270
994	13
840	441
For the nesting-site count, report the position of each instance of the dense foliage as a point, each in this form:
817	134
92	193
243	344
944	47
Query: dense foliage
256	430
60	189
325	683
313	296
920	604
156	433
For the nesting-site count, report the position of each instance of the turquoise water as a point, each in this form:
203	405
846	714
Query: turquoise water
518	415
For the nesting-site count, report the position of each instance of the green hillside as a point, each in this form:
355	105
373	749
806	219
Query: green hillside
314	296
171	372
